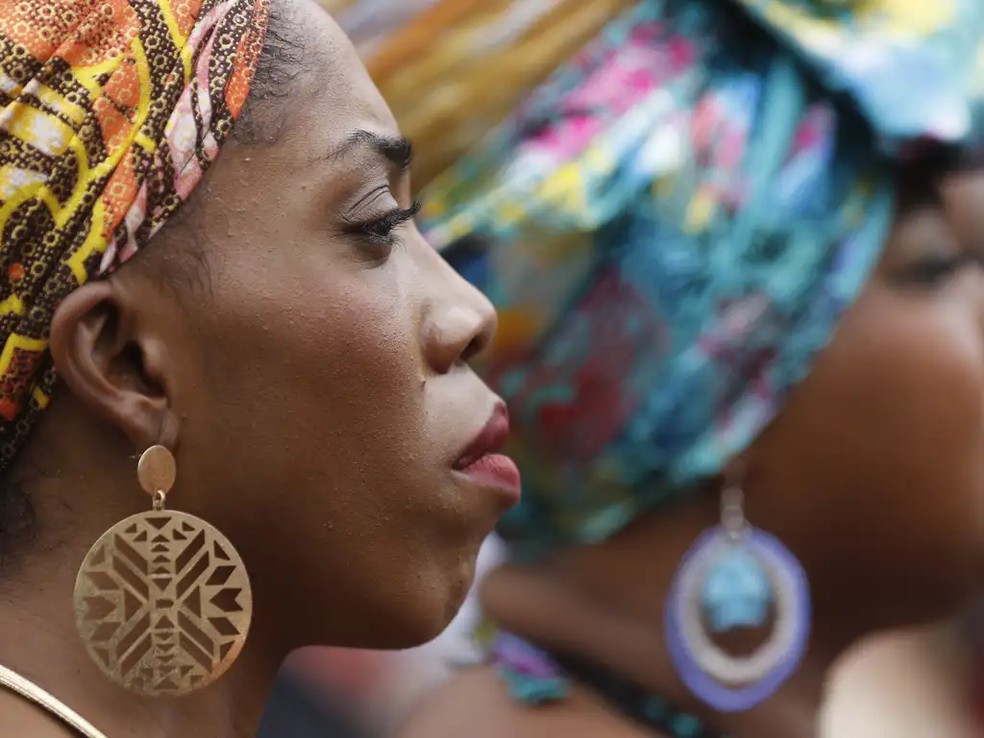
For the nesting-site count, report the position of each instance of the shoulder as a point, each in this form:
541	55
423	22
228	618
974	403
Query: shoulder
23	718
475	703
900	684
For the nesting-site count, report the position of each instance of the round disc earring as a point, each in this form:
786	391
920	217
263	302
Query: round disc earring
162	600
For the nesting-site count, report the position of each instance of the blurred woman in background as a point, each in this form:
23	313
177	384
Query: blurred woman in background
736	250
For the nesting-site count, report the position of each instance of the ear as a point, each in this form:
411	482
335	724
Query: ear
113	369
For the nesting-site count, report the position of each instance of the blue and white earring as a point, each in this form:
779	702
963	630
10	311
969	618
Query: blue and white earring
736	576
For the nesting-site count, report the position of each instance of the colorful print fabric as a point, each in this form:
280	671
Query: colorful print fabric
915	68
672	224
111	112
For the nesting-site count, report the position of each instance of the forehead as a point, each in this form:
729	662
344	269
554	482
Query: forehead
333	94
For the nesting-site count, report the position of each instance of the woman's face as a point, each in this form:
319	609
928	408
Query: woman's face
874	471
319	368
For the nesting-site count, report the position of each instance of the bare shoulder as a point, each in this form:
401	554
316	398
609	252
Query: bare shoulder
22	718
475	704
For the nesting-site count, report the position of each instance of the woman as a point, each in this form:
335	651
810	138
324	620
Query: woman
735	249
287	345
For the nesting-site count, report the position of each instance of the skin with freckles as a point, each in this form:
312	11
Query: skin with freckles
872	475
304	353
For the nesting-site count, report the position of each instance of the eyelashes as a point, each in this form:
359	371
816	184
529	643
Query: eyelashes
381	231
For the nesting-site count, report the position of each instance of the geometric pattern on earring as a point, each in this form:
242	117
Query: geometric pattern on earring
162	600
731	578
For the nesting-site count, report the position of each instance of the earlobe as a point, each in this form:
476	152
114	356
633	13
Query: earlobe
102	363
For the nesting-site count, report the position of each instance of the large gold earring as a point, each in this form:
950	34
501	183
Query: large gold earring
162	600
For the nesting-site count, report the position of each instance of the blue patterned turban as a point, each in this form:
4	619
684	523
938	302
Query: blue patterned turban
672	224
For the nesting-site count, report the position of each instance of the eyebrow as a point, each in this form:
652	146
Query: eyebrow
397	150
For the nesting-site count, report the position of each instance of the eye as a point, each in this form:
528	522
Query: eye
381	230
932	270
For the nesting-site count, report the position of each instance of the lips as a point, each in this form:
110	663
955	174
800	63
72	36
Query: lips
481	463
491	439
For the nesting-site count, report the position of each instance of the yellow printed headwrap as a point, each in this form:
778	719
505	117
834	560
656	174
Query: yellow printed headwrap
110	111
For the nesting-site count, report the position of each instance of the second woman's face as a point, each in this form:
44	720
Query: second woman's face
327	408
874	471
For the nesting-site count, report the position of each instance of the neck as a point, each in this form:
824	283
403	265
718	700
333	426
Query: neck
38	622
605	604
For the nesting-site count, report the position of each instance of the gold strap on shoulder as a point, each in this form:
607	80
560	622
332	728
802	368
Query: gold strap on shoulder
31	691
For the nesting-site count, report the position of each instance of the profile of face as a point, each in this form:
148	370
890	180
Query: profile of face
304	352
874	471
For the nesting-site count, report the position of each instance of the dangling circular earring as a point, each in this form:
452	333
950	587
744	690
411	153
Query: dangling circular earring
733	577
162	600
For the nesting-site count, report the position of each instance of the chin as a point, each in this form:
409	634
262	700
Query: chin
428	617
395	620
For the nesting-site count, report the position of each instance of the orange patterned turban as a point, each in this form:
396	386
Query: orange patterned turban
110	111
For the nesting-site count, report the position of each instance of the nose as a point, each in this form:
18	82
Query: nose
460	322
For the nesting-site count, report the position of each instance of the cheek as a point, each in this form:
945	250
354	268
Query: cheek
883	441
308	374
320	402
905	372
